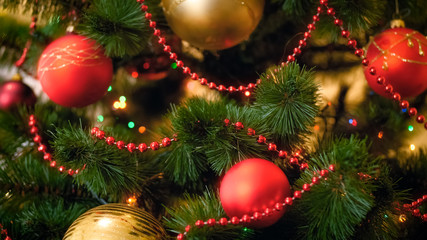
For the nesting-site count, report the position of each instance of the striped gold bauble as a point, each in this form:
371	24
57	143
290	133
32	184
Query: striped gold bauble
115	221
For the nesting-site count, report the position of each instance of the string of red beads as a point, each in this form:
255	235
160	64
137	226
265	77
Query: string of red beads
292	158
203	81
32	123
388	88
256	216
131	147
414	208
3	233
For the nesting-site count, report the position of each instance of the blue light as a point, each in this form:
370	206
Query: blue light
350	121
404	110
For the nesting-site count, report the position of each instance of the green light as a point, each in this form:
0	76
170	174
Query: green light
411	128
122	99
100	118
131	124
174	66
110	88
385	215
245	229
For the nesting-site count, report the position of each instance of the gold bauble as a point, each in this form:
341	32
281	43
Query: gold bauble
115	222
213	24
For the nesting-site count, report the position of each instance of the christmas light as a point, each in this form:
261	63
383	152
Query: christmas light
132	201
100	118
247	93
380	134
135	74
141	129
122	105
110	88
131	124
116	105
174	66
411	128
402	218
122	99
412	147
146	65
316	128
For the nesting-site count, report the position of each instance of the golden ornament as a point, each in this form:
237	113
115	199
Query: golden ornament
213	24
115	221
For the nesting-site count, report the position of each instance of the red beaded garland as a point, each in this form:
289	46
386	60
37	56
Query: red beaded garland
256	216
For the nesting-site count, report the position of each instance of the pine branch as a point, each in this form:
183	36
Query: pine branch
287	101
202	208
48	220
381	221
119	26
333	208
205	144
108	172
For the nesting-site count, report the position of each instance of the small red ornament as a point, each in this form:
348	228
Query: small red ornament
74	72
254	185
13	93
398	55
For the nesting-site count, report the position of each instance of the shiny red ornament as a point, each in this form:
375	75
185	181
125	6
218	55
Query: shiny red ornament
74	72
398	55
13	93
254	185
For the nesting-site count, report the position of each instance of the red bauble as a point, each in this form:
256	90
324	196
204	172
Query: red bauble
15	92
252	186
398	55
74	72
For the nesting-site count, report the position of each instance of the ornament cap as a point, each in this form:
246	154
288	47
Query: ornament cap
397	23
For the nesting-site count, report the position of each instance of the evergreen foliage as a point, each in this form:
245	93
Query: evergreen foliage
333	208
203	207
287	101
119	26
205	143
49	220
106	170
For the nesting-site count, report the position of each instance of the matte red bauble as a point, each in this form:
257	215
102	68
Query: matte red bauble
13	93
74	72
398	55
252	186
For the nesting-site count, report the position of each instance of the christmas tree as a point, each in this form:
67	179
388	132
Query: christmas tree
213	119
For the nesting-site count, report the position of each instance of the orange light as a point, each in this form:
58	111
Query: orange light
132	201
116	105
316	128
247	93
135	74
142	129
380	134
329	103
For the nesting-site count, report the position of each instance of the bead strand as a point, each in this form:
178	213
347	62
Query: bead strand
203	81
293	158
256	216
131	147
414	208
32	123
388	88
